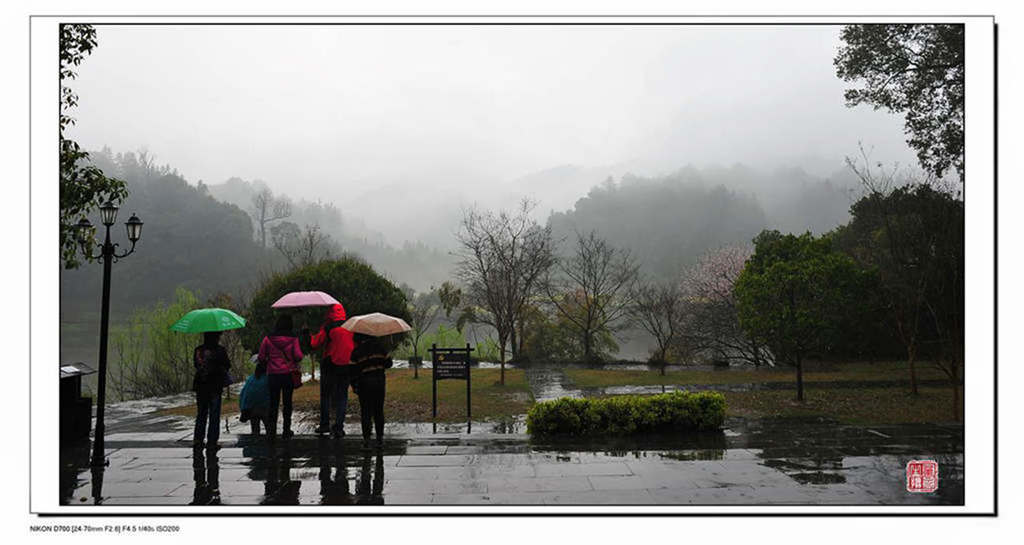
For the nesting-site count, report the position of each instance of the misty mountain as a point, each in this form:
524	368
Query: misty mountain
665	222
791	199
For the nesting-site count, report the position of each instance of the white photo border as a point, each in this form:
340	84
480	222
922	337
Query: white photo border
980	198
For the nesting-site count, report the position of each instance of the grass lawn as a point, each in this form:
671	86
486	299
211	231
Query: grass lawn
598	378
849	405
408	399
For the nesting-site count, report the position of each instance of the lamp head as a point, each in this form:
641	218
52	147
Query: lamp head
134	227
108	213
83	231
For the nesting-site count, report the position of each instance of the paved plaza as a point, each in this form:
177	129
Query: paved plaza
751	462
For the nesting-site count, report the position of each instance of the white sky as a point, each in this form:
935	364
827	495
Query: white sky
333	112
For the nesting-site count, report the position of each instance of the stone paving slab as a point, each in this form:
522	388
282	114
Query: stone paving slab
639	482
476	472
145	500
438	487
499	498
600	497
427	449
434	461
227	489
551	484
464	449
565	470
424	473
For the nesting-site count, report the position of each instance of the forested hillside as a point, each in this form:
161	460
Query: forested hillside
189	239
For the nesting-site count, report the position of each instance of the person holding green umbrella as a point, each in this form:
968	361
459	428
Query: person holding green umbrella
212	364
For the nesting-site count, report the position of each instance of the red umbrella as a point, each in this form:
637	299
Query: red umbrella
305	299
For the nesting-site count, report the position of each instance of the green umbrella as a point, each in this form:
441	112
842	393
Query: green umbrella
208	319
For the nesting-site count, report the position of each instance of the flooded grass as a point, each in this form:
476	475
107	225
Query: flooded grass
851	406
408	399
813	372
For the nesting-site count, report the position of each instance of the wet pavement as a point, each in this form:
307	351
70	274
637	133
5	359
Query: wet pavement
769	461
805	461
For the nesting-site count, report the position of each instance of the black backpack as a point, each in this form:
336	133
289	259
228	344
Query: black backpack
203	361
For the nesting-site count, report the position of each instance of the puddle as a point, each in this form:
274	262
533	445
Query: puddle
549	383
818	478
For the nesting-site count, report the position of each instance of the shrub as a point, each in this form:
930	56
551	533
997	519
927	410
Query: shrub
623	415
148	359
359	288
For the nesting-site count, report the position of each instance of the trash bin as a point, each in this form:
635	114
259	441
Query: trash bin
75	410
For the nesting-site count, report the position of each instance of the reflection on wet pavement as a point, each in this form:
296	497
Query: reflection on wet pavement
793	461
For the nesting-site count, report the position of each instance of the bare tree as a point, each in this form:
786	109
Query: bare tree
658	309
301	247
424	309
503	256
267	208
590	289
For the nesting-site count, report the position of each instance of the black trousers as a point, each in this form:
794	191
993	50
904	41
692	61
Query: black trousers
334	382
371	403
280	386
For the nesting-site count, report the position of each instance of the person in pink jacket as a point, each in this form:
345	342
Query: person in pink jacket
280	350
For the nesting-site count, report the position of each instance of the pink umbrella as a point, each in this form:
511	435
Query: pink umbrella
305	299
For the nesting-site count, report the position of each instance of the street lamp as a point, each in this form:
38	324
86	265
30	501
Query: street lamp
108	252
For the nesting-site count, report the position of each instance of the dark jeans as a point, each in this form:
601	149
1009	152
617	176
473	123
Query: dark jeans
371	402
334	382
280	386
207	415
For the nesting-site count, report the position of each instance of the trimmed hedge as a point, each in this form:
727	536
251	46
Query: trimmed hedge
623	415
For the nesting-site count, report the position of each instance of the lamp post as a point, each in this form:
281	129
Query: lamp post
108	253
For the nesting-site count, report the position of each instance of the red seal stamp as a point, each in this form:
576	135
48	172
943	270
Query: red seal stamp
922	476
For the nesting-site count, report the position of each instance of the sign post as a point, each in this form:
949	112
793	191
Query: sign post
451	363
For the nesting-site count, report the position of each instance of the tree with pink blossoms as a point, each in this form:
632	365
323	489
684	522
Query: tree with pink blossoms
710	326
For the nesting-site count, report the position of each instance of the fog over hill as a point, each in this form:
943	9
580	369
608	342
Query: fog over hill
401	127
670	140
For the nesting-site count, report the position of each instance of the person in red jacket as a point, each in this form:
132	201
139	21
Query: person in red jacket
337	346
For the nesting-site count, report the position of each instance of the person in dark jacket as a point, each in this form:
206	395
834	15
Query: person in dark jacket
370	358
211	362
337	345
281	351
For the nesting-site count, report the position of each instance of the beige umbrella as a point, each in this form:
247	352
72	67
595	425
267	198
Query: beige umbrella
376	325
